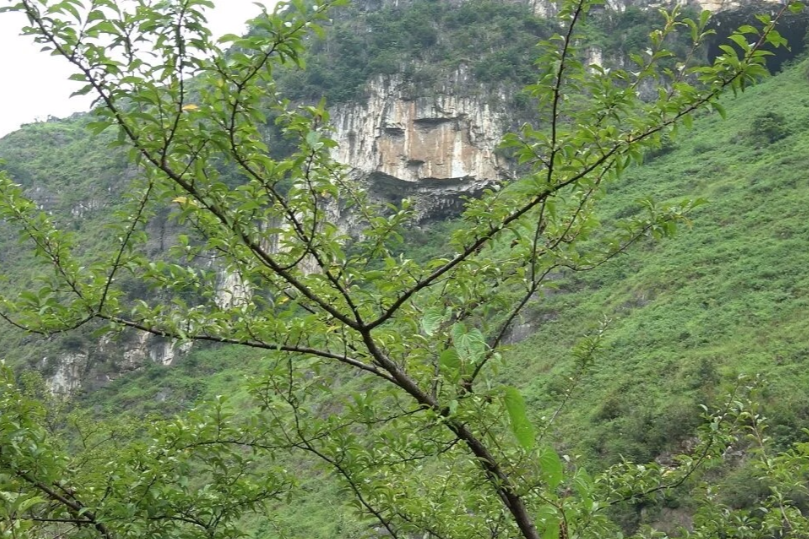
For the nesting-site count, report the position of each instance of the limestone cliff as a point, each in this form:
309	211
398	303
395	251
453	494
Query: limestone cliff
76	369
437	143
433	148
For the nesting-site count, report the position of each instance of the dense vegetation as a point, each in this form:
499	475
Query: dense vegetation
726	296
423	41
685	317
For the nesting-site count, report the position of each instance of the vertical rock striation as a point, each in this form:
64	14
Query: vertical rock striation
426	147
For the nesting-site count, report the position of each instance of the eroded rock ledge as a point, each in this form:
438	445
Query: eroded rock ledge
434	146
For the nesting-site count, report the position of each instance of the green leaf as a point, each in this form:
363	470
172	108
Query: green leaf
688	121
741	41
583	485
95	15
551	529
704	17
431	321
28	503
719	108
227	38
522	428
312	138
796	7
471	345
551	465
450	364
548	520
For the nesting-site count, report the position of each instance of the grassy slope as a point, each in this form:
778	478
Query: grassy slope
728	296
687	315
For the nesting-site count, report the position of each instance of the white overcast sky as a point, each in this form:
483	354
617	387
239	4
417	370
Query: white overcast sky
34	85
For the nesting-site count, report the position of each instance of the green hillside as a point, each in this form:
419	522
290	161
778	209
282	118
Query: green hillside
683	317
729	295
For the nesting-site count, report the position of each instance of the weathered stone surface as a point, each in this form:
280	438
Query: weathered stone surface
68	376
232	290
432	149
446	136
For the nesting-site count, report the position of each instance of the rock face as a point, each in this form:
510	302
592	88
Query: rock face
725	5
231	291
145	346
440	145
68	376
75	369
441	137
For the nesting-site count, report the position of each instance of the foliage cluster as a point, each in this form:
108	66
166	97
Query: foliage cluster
793	27
424	39
622	33
769	127
686	316
431	442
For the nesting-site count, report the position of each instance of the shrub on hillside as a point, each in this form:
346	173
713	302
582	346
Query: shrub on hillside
769	127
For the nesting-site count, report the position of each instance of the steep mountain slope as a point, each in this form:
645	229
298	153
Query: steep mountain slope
727	296
686	316
421	93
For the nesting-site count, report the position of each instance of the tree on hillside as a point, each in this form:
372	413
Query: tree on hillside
430	445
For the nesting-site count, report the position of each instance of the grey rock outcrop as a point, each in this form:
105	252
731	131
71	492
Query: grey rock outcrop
424	147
